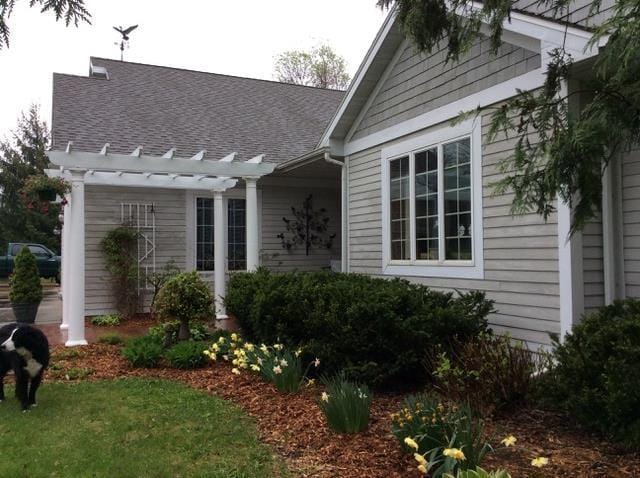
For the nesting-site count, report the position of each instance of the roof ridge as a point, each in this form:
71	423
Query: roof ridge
216	74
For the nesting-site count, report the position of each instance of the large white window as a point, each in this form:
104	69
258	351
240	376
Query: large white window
432	204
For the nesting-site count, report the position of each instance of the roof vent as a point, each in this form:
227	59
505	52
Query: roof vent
98	72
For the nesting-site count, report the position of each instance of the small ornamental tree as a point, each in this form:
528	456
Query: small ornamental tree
184	297
25	286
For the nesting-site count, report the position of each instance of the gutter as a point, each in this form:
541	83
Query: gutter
344	234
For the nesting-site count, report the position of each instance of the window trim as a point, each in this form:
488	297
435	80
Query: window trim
472	269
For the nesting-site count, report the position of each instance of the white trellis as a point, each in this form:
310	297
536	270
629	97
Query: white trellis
143	171
142	217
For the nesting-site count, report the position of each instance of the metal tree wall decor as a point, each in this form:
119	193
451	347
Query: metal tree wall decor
308	227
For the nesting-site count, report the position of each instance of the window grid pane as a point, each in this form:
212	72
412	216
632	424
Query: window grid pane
426	203
204	235
457	199
237	244
400	220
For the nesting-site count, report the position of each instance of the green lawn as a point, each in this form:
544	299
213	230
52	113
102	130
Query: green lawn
130	428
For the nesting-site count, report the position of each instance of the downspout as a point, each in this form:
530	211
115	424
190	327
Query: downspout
344	256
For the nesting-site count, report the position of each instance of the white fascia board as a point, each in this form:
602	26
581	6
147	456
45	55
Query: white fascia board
78	160
502	91
359	76
148	181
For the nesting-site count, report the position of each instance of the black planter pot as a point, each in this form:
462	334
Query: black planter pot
25	313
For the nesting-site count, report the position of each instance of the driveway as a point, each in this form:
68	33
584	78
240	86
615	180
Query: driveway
50	311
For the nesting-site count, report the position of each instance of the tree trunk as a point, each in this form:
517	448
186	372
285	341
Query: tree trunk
184	333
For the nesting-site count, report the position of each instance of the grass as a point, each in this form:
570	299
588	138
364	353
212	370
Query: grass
131	428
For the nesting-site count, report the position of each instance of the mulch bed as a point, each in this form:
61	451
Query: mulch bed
294	426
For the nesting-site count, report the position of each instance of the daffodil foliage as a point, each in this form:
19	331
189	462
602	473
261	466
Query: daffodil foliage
561	151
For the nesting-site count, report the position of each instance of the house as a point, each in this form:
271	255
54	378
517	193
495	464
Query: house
409	193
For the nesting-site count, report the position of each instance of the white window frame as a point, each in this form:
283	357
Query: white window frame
473	269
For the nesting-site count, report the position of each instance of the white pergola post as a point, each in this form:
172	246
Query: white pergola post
253	253
220	253
75	269
65	252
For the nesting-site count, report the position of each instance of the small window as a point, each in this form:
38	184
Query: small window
39	251
400	220
205	236
15	250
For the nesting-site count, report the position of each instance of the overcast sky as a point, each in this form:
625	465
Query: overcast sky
236	37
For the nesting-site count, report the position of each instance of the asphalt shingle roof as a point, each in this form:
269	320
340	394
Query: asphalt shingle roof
161	108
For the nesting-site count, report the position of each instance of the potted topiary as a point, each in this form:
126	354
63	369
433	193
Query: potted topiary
184	297
25	289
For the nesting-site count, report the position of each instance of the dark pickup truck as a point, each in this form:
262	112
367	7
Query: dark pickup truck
48	262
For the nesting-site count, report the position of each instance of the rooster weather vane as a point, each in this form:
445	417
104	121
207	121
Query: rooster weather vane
125	38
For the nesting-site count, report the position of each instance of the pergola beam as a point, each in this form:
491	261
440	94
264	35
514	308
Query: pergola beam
148	180
162	165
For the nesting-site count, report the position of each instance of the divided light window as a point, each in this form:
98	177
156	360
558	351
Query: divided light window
430	188
236	235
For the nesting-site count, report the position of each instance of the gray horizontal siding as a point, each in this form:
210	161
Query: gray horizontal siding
102	214
593	266
419	82
631	222
276	204
520	252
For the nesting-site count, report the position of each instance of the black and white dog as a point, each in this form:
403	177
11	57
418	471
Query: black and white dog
25	350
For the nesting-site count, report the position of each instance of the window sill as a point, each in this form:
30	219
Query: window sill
441	271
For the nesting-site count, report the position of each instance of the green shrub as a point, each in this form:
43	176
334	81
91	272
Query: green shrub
346	405
596	377
108	320
24	283
111	338
375	330
166	333
143	352
435	425
184	297
489	372
187	355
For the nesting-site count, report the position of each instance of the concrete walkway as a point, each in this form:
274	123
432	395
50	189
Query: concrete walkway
50	311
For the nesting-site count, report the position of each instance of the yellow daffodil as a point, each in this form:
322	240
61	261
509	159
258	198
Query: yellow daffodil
234	337
420	459
298	352
324	397
278	346
264	349
255	368
509	441
540	461
222	340
311	381
206	353
411	443
215	347
454	453
234	361
235	371
422	469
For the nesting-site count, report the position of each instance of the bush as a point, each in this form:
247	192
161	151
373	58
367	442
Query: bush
24	283
143	352
167	332
434	426
489	372
108	320
187	355
111	338
596	377
184	297
346	405
375	330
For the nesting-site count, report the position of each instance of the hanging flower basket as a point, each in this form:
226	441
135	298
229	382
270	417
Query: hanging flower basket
40	190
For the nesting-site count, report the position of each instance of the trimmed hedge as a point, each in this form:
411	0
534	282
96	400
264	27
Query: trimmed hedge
596	376
375	330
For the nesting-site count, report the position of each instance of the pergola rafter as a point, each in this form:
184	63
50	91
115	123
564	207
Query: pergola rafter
144	171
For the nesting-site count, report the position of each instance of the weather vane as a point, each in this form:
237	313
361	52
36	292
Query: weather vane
125	38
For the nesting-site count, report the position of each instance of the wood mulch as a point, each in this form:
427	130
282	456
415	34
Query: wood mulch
294	426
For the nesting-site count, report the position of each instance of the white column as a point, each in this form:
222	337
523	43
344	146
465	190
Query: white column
220	254
75	268
253	253
65	253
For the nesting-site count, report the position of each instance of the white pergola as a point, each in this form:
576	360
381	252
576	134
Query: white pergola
142	171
